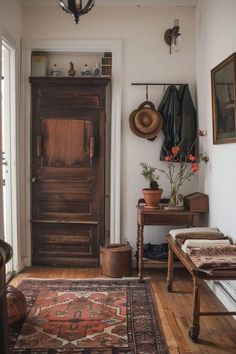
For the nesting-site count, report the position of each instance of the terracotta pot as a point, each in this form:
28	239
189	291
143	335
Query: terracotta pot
152	197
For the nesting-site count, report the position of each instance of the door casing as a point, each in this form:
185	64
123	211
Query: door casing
114	46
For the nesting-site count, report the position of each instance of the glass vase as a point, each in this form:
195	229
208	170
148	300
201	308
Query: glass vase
176	199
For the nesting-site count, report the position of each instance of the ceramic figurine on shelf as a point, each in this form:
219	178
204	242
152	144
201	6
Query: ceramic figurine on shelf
71	71
97	70
86	71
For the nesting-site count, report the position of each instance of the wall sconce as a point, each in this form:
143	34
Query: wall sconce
173	37
76	8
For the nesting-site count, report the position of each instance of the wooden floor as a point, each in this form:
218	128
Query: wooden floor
217	335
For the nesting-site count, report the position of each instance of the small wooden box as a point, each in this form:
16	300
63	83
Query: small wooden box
198	202
116	260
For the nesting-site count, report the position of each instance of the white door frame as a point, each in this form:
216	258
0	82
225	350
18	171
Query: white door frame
13	178
64	46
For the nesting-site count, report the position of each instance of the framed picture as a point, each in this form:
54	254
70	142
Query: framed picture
223	101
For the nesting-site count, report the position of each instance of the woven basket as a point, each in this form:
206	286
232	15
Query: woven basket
116	260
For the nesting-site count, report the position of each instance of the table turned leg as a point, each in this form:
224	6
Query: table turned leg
195	329
137	246
170	270
140	252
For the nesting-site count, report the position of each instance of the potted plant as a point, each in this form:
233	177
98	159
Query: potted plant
152	195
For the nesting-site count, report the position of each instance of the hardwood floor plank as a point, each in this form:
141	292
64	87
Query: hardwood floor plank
167	330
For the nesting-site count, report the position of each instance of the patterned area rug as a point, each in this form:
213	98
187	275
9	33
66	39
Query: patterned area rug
88	317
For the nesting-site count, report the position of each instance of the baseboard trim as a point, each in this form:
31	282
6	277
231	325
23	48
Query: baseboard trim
227	300
26	262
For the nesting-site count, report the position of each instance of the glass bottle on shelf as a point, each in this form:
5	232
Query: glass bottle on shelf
97	70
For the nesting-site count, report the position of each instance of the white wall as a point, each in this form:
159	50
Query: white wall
145	58
216	40
216	28
10	19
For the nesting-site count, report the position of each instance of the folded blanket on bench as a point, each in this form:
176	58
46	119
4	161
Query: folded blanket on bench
199	243
218	257
182	237
189	230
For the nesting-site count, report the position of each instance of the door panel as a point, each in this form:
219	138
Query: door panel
66	142
60	197
68	162
63	243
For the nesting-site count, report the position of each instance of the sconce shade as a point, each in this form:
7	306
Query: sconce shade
176	43
76	7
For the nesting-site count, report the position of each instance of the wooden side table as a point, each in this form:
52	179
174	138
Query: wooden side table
147	216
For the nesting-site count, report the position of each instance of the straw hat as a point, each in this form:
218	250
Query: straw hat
145	121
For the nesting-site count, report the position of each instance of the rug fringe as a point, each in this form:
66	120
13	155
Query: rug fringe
88	279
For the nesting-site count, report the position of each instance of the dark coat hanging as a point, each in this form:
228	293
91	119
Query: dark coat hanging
170	110
188	122
179	120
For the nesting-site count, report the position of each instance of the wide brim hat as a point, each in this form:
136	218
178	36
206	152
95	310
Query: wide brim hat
145	121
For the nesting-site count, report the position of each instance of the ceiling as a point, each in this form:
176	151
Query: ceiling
155	3
160	3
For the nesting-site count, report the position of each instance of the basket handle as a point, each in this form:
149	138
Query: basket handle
147	104
115	245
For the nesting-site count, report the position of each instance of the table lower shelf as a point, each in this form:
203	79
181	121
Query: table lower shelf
153	262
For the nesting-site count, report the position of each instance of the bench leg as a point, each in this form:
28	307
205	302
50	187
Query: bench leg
170	270
195	329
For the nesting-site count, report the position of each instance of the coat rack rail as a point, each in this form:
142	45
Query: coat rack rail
147	84
155	83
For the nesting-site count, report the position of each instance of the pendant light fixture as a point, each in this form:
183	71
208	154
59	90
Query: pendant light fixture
76	7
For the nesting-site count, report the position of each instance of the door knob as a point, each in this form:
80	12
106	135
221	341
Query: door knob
33	179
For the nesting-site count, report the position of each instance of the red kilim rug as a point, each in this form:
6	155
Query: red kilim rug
88	317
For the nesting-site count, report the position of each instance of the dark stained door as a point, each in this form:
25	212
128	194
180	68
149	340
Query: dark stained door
68	182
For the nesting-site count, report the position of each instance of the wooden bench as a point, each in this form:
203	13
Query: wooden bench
198	278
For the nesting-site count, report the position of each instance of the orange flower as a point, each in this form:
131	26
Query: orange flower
192	158
175	150
194	167
169	158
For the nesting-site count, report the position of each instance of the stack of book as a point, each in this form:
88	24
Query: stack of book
106	64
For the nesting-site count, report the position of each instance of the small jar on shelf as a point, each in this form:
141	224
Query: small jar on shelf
54	71
86	72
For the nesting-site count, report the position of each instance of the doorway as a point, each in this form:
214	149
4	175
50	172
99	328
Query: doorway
114	46
8	88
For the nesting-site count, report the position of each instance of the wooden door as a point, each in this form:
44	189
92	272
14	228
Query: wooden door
68	156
